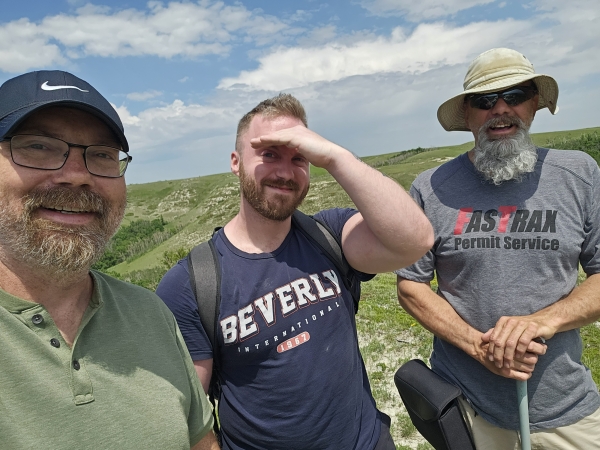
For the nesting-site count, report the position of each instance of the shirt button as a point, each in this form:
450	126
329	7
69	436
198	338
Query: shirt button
37	319
76	365
54	342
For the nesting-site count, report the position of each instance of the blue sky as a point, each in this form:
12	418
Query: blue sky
371	73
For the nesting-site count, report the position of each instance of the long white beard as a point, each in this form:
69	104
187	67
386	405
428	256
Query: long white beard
507	158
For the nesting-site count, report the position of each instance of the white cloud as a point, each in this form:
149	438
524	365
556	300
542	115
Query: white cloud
301	15
429	46
180	140
184	29
143	96
420	10
559	37
319	36
22	47
90	8
369	114
184	79
569	43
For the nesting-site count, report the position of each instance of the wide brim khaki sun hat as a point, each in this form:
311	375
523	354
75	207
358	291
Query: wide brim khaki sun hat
492	71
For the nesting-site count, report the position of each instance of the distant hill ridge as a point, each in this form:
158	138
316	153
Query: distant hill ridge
191	208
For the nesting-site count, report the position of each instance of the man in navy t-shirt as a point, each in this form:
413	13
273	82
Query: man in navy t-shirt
290	368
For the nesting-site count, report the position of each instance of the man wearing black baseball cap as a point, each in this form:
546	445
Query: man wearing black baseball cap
513	222
86	361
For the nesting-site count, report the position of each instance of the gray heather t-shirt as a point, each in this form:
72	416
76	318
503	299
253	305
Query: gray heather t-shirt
513	249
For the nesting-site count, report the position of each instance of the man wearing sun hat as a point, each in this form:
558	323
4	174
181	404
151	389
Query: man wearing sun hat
513	222
86	361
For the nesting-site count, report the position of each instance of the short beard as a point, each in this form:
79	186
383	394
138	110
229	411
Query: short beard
507	158
280	207
55	248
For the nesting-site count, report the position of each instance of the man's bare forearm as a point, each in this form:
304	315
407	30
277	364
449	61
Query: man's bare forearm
394	233
514	335
439	317
581	307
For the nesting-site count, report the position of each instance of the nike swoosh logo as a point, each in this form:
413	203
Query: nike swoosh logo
45	87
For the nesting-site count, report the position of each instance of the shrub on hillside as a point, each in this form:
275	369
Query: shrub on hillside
170	257
399	157
129	236
148	278
587	142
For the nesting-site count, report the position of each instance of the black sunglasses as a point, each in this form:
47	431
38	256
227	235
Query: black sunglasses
512	97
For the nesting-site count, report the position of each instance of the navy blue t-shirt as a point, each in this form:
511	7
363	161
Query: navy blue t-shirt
293	377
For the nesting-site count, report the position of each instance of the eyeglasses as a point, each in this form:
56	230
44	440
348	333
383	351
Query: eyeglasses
512	97
48	153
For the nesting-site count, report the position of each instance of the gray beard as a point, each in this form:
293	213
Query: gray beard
56	249
505	159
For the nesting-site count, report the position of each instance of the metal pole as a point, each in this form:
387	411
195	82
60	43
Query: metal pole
523	415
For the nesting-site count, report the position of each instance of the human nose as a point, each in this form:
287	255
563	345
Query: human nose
501	107
74	171
285	169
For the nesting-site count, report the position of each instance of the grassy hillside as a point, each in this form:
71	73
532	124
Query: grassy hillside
191	208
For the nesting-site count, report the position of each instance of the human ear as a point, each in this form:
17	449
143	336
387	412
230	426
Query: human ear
234	164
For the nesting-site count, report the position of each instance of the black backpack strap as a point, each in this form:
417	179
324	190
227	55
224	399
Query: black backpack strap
321	234
205	280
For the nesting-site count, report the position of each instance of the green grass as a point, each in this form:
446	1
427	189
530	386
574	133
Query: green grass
404	423
544	139
388	337
590	335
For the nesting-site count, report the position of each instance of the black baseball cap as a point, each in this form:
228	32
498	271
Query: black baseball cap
22	95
